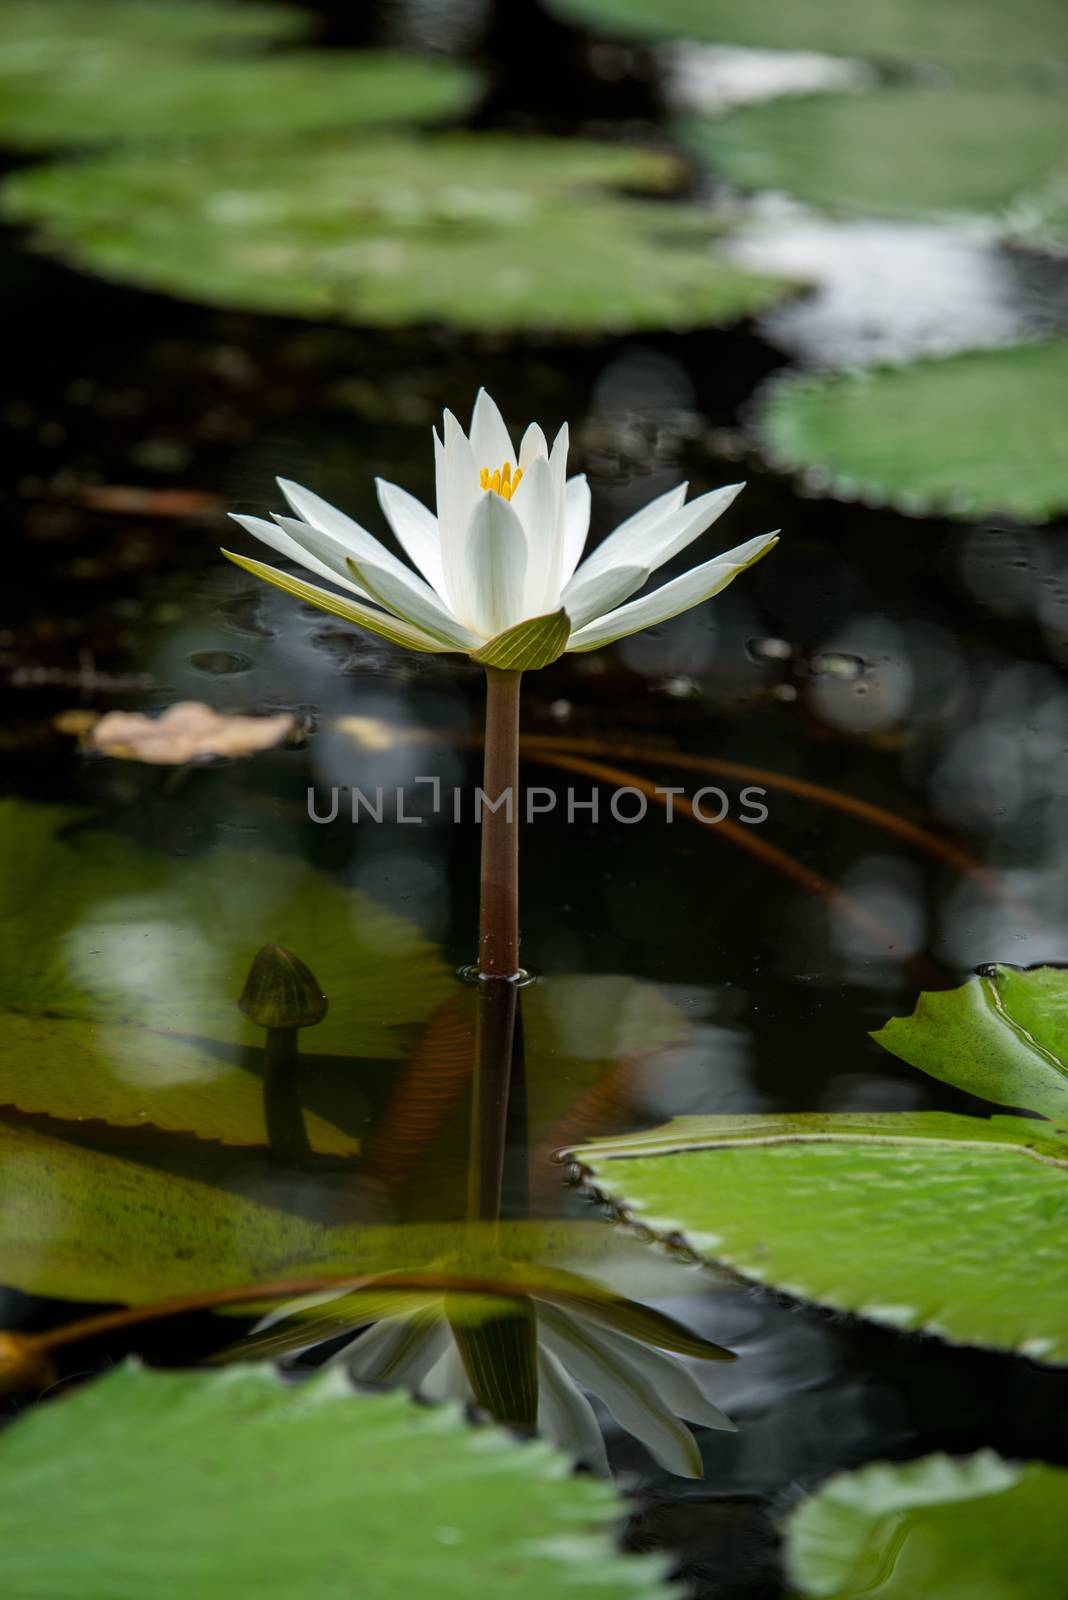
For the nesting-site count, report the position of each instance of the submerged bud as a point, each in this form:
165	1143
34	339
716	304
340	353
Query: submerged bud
281	992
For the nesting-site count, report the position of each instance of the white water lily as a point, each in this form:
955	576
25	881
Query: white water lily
496	572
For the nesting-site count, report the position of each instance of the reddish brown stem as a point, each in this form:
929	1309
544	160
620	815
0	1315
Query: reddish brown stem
498	935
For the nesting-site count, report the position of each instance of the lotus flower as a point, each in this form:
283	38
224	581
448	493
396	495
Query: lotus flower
497	573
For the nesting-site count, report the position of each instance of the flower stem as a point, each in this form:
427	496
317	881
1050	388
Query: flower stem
498	936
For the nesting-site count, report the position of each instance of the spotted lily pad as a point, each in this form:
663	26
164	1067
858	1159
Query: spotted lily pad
897	149
237	1486
484	232
918	437
978	1528
983	32
929	1222
77	71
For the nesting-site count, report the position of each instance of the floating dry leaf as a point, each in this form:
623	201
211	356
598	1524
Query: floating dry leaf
188	731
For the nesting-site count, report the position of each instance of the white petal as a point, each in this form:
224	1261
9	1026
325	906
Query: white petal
558	463
594	596
576	523
321	514
447	1379
397	1350
564	1414
491	445
653	510
679	595
652	543
534	503
363	615
458	495
407	596
294	550
666	1376
533	444
359	545
415	530
496	564
635	1406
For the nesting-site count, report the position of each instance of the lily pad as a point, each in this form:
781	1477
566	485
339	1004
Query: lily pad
236	1486
978	1528
484	232
1002	1036
983	32
75	73
84	1224
930	1222
897	149
120	972
917	437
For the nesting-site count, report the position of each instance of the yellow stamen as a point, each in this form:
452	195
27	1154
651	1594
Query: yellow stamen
501	481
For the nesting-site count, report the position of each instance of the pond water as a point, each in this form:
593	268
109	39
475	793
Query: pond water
907	663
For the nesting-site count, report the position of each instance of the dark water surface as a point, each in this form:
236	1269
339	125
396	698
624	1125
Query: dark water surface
910	663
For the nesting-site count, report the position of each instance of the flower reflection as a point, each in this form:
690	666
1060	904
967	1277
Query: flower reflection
533	1358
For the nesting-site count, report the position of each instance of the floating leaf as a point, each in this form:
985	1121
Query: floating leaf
894	149
1003	1036
184	732
479	231
72	73
81	1224
919	436
978	1528
236	1486
930	1221
120	973
983	31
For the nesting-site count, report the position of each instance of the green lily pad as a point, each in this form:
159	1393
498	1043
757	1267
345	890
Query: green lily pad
893	149
236	1486
483	232
120	972
1002	1036
83	1224
74	73
919	437
931	1222
978	1528
983	32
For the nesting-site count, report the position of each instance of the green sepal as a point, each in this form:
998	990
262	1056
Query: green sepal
537	642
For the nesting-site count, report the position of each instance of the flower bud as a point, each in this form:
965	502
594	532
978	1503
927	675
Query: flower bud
281	992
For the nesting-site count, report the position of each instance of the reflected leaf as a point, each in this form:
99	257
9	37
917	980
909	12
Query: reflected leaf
984	32
120	972
1002	1036
907	435
81	1224
978	1528
893	150
75	71
311	1491
929	1221
478	231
